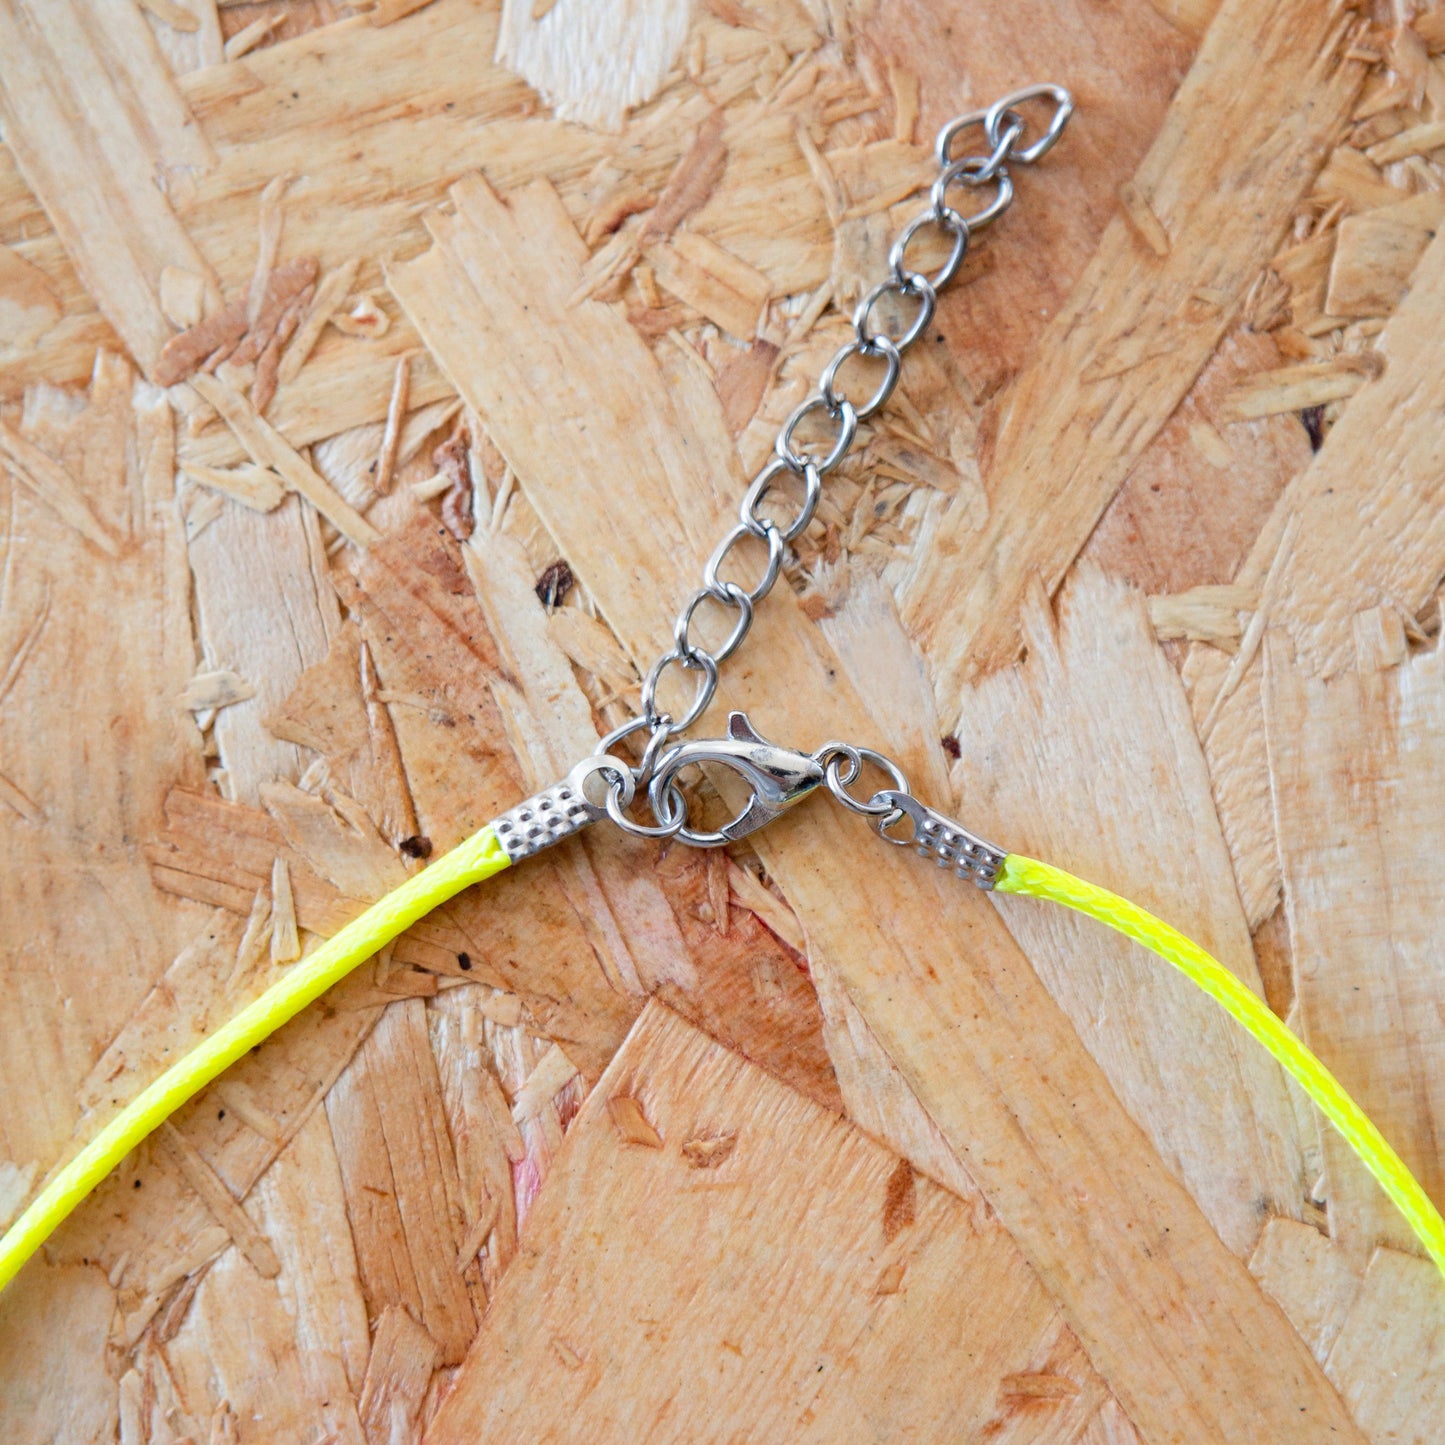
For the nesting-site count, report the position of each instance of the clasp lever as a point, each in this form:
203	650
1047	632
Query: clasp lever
777	776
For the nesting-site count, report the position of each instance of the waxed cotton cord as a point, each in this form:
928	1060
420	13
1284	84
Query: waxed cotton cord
478	858
483	855
1029	877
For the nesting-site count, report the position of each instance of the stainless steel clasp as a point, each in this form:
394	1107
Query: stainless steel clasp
777	776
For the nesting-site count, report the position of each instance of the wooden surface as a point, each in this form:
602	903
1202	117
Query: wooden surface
374	382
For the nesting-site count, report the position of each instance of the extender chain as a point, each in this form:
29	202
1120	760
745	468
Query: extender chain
779	776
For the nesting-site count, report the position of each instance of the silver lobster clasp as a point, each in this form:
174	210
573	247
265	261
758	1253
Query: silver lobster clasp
778	777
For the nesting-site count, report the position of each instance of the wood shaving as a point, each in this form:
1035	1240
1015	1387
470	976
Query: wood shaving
631	1122
362	318
185	354
709	1151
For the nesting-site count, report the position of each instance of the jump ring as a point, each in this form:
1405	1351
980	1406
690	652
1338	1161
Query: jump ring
774	539
958	171
762	485
913	285
949	220
834	755
733	596
667	828
879	346
706	686
1006	106
626	730
847	420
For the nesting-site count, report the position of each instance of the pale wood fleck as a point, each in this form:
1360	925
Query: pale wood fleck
1141	216
364	318
396	409
285	937
403	1356
173	13
253	485
553	1070
331	291
1376	254
221	1202
631	1122
1292	388
268	448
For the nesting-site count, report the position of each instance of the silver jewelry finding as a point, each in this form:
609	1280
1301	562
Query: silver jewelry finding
1016	131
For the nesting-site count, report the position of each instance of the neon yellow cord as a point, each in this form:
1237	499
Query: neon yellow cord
478	858
1039	880
482	855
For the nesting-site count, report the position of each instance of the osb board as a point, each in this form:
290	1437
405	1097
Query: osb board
496	333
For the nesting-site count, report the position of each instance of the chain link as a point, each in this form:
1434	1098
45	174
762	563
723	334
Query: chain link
1005	128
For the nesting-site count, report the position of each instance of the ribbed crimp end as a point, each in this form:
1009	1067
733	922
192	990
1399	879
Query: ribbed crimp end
953	847
542	820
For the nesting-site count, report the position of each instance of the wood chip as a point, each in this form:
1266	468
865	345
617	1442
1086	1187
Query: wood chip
182	355
552	1072
500	1111
403	1356
29	306
363	318
1416	141
737	1246
614	209
1038	1387
1292	388
1202	614
1389	1359
899	1201
709	1151
248	37
388	12
268	448
477	1235
268	242
1380	639
219	688
51	484
890	1279
631	1123
173	13
220	1201
1376	254
742	380
183	296
285	936
1349	175
1309	1277
1140	215
331	292
268	364
904	86
711	280
395	420
399	1171
252	485
241	1101
750	893
504	1009
692	180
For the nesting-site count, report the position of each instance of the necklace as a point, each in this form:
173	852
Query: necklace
769	778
